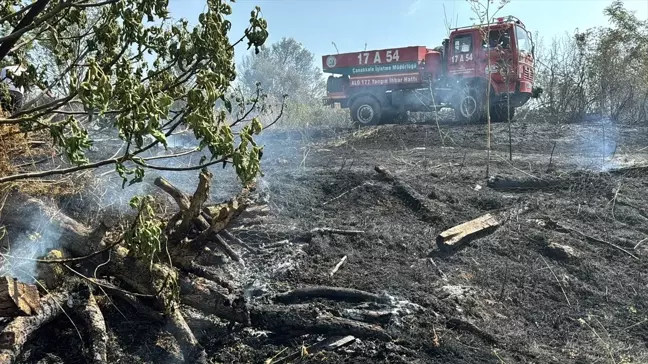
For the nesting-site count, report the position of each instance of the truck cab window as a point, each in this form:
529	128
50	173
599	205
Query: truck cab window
497	38
463	44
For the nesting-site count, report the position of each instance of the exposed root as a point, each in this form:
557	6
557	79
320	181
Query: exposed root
300	320
464	325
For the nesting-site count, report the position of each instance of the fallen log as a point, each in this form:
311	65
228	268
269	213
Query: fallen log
500	183
16	334
410	196
638	171
461	234
331	293
96	324
369	316
211	298
17	298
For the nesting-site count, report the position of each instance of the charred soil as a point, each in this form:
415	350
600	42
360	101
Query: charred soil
561	280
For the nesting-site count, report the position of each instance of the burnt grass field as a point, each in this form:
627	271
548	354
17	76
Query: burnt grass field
562	280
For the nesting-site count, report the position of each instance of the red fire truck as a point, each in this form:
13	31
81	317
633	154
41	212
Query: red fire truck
380	85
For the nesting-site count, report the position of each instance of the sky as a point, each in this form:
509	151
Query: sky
396	23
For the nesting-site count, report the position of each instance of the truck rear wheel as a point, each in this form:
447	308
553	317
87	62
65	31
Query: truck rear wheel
501	113
366	111
469	107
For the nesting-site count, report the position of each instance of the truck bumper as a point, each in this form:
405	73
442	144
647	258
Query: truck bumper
333	98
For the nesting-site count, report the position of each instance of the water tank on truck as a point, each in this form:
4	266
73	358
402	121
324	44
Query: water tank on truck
433	65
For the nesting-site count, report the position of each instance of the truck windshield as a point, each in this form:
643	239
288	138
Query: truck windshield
523	41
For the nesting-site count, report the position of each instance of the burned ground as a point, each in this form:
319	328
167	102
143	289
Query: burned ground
561	281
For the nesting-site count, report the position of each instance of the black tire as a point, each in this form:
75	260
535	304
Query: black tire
500	113
366	111
389	117
393	117
469	107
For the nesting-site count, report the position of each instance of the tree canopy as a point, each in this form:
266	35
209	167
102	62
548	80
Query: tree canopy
130	63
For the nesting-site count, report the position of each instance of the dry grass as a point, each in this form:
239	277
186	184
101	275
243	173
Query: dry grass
16	146
13	144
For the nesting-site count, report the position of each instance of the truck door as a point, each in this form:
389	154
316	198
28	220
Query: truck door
461	60
498	48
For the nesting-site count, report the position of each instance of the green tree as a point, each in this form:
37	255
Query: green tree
600	70
287	69
284	68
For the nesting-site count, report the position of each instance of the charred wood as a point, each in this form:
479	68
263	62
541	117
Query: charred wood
461	234
96	324
17	298
331	293
410	196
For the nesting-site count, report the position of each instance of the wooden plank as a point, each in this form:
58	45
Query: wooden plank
469	230
17	298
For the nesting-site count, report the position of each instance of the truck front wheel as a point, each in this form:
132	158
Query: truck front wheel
469	107
366	111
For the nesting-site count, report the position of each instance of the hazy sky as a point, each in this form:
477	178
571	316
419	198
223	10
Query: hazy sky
396	23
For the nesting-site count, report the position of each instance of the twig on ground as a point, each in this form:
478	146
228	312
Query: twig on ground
65	260
337	266
336	231
639	243
591	238
33	163
347	192
557	280
551	156
276	244
596	240
226	234
614	199
443	276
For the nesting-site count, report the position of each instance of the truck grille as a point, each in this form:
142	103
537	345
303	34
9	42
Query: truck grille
527	73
